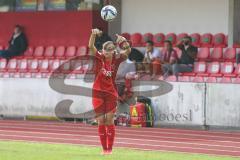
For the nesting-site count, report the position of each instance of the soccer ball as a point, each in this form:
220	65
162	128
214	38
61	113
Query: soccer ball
108	13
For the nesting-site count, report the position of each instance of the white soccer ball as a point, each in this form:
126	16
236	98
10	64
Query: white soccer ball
108	13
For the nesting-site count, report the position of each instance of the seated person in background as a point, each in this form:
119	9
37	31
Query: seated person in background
17	44
137	57
169	57
125	73
101	38
186	61
152	59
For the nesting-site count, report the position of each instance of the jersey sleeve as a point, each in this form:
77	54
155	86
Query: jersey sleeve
121	58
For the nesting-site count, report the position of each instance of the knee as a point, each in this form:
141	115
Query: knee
101	120
109	120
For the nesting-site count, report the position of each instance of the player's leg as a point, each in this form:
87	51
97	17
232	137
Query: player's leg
111	107
99	109
102	132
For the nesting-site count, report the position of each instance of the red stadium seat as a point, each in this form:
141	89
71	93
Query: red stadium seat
1	47
198	79
214	69
33	65
203	53
77	67
23	66
60	52
147	37
227	69
236	80
49	52
181	36
206	40
29	53
44	66
66	67
126	35
219	40
171	37
3	65
71	51
200	69
5	75
216	54
195	39
171	78
12	65
82	50
136	40
38	52
229	54
211	80
54	64
184	79
225	80
158	39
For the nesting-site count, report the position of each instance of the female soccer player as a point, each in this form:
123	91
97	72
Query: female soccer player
104	89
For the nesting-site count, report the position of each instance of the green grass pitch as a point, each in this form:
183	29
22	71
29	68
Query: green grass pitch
10	150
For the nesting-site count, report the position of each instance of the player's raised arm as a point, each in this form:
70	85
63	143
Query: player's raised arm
124	45
91	42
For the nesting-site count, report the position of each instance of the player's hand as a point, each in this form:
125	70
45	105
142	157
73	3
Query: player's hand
96	31
120	39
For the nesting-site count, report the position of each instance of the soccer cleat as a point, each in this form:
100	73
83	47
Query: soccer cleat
104	152
109	152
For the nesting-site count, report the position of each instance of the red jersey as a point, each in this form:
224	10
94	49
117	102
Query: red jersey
106	73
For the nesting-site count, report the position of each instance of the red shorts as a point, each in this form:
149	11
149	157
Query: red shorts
104	102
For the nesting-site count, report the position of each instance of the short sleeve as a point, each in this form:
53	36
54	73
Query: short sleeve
119	59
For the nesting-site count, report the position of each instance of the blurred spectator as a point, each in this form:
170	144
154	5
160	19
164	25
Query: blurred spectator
101	38
152	59
137	57
17	44
186	61
126	73
169	57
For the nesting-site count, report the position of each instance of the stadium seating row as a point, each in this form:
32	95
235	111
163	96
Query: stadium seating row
51	52
45	67
196	79
217	54
215	69
42	67
61	52
204	40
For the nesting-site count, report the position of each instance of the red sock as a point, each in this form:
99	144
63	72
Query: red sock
110	136
103	136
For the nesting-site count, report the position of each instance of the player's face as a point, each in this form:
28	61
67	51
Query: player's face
109	51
